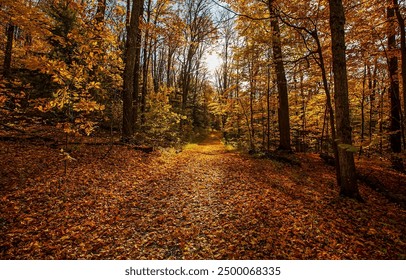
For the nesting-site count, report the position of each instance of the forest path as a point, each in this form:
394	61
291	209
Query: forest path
192	182
206	202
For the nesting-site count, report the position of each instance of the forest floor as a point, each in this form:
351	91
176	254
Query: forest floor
206	202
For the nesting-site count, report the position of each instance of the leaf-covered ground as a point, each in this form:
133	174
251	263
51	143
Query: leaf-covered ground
206	202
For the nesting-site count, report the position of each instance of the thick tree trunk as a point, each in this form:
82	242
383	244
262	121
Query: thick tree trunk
348	186
131	71
283	110
9	50
395	125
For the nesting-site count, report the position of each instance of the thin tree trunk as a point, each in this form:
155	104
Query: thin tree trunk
268	104
169	67
329	105
195	93
303	107
147	50
363	97
348	186
139	9
401	22
252	95
372	89
322	129
381	113
252	132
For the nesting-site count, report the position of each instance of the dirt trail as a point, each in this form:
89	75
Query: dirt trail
191	182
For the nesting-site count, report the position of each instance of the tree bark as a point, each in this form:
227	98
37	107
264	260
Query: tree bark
348	186
252	131
372	89
401	22
147	50
283	110
395	126
268	104
131	75
139	7
169	80
363	99
9	50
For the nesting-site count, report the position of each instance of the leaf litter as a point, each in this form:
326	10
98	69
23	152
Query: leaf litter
206	202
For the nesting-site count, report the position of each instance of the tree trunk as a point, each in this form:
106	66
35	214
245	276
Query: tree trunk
130	79
252	73
169	80
401	22
252	131
268	104
9	50
147	50
372	90
395	128
128	16
283	110
101	11
329	104
381	114
363	98
186	77
348	186
139	7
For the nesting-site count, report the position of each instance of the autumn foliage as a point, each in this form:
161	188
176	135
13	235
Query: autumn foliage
119	141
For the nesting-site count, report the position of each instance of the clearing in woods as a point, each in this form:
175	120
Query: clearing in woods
206	202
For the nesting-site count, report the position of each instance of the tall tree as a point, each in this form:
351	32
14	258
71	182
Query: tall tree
401	22
283	110
349	187
395	127
9	48
131	70
146	54
317	54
